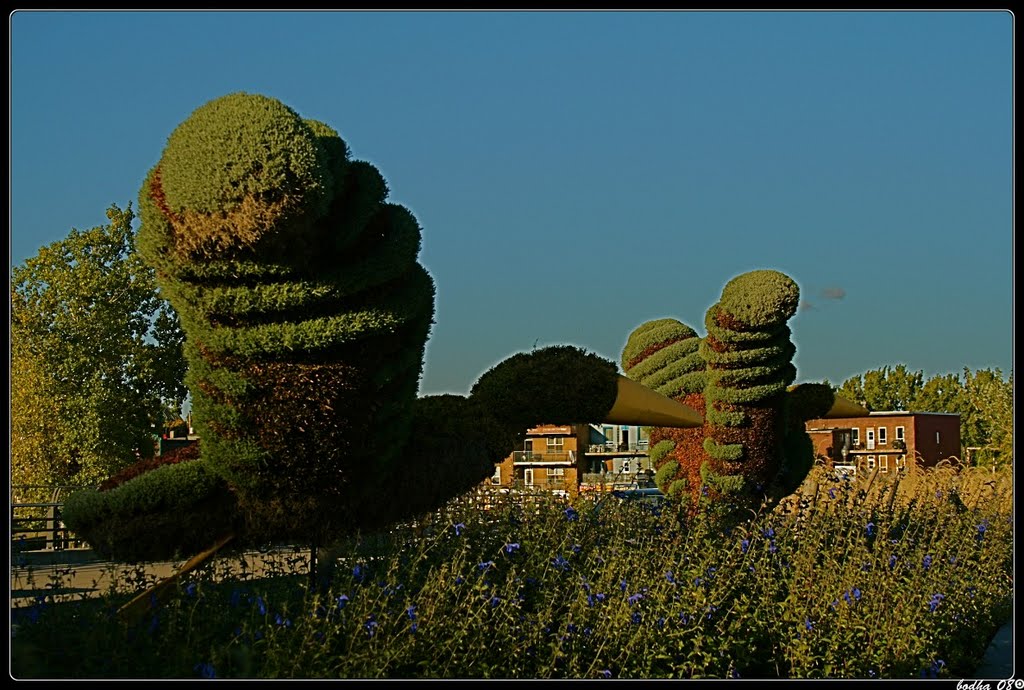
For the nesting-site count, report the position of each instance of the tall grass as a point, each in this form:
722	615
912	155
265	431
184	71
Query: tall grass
893	576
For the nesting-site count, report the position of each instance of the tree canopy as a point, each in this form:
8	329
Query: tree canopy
96	357
983	399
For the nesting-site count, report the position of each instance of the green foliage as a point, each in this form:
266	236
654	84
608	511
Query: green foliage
809	401
760	299
560	384
730	452
97	355
522	591
983	399
663	355
243	146
666	473
130	521
654	333
659	450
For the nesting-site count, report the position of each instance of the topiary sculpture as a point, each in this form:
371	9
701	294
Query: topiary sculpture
306	315
753	439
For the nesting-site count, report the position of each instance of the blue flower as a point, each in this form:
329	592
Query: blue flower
892	561
870	529
622	585
236	597
926	562
809	624
635	598
571	515
511	548
190	589
495	600
671	578
260	606
411	612
744	545
205	670
459	580
635	618
560	563
936	600
280	620
485	565
576	548
769	532
605	673
413	628
371	625
831	493
856	593
342	600
360	573
458	528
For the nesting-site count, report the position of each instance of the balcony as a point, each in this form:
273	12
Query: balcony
527	458
611	448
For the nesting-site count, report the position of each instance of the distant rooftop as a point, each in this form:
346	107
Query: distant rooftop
882	413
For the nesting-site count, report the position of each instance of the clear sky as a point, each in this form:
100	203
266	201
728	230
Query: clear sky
579	173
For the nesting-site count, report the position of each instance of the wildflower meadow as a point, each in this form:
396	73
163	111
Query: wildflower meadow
901	576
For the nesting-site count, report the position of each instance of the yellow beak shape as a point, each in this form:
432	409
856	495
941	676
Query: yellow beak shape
636	404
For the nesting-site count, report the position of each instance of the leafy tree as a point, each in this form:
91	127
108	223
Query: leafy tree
887	388
96	354
991	401
983	399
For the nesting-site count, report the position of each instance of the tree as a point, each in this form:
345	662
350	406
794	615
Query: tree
991	400
95	356
887	388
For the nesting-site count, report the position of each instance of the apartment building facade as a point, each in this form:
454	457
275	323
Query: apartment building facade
568	459
886	440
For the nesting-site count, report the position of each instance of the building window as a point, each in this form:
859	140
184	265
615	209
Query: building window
556	472
901	462
855	436
900	434
937	438
496	477
556	443
625	466
871	462
882	434
528	476
883	463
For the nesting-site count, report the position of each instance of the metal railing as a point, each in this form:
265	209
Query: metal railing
529	457
637	447
38	524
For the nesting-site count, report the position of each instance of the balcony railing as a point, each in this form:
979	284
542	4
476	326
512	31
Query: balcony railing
529	457
637	447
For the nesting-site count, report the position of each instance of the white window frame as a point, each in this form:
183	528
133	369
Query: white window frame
937	441
883	434
855	436
869	442
625	466
556	444
883	464
556	472
528	476
496	477
871	462
901	433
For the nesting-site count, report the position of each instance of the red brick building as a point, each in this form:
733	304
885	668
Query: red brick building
886	439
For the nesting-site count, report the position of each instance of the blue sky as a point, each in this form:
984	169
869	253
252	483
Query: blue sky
579	173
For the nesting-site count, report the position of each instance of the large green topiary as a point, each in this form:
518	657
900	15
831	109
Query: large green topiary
753	439
306	316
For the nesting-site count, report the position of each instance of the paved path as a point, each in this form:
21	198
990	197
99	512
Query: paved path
998	661
75	574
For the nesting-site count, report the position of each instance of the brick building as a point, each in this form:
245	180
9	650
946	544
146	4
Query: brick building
886	439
